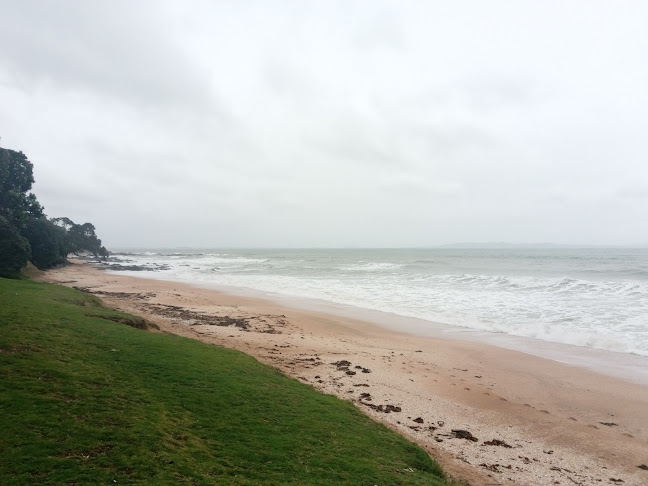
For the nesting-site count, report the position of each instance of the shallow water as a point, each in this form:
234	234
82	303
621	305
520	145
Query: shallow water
590	298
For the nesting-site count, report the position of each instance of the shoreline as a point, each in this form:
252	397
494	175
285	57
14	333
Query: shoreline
562	423
626	366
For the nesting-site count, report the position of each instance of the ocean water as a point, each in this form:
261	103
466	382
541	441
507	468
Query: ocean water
592	298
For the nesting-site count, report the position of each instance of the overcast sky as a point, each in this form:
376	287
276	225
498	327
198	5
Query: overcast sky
300	124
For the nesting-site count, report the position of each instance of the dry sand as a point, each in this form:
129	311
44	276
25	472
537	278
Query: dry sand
488	415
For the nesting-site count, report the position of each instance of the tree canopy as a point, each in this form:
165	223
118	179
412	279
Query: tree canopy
17	203
14	250
80	237
26	234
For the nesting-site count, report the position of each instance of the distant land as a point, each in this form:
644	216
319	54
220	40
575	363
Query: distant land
497	245
501	245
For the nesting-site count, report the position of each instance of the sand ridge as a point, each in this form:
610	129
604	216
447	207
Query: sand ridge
489	415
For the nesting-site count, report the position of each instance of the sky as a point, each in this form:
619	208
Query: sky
332	124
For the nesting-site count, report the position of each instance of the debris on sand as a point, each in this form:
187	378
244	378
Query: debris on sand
383	408
463	434
497	442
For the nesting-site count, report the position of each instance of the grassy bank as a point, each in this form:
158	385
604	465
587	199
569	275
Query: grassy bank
85	399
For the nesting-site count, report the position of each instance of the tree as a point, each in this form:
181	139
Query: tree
25	232
80	237
48	242
17	203
14	250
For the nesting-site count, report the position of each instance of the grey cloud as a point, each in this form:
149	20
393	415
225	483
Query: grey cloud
329	124
632	192
117	49
416	186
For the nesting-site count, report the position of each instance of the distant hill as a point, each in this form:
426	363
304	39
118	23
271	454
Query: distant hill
500	245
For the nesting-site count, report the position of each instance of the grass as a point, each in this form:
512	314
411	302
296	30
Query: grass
87	400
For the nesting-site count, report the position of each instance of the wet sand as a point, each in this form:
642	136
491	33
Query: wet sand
489	415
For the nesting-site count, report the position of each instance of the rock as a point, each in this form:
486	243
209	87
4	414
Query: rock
342	363
418	420
135	268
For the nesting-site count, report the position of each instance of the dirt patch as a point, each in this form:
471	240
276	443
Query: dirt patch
134	321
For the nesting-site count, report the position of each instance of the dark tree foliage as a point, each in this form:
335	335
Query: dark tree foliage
17	203
80	237
25	232
14	250
48	242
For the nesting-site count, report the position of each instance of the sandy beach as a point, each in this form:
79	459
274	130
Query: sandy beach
488	415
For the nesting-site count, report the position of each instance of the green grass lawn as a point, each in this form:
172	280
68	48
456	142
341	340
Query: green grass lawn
86	400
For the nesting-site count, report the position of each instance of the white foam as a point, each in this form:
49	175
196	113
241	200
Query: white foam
371	266
602	313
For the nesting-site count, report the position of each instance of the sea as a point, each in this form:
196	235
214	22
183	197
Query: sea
585	306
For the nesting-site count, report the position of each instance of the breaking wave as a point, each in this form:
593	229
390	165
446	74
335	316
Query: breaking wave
596	300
